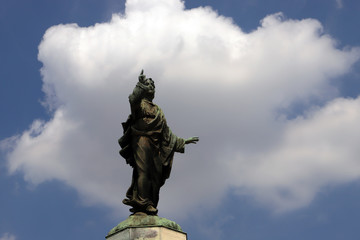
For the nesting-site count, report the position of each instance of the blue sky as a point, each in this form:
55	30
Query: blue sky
273	97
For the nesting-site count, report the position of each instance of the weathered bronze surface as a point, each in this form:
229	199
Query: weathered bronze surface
148	145
144	221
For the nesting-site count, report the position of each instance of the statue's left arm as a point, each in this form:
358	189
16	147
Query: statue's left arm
180	143
192	140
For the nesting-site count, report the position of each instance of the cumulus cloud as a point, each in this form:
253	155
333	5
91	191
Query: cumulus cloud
7	236
235	90
317	149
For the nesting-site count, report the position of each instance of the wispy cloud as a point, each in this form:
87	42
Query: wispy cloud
339	3
231	88
8	236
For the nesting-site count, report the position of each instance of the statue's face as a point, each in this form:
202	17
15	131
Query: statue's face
151	93
150	82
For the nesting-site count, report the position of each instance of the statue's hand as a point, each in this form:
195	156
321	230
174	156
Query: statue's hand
192	140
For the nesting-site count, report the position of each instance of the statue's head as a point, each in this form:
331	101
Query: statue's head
150	91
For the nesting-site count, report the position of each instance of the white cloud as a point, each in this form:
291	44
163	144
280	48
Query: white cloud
233	89
316	150
7	236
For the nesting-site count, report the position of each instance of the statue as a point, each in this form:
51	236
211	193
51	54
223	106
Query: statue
148	145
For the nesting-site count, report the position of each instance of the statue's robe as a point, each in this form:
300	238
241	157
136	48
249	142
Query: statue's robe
148	145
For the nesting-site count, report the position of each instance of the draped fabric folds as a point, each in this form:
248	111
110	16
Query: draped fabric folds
148	145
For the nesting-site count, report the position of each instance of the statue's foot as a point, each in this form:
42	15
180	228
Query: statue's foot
135	210
126	201
151	210
138	211
148	210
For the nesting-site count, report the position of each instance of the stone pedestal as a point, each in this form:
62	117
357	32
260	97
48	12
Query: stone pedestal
145	227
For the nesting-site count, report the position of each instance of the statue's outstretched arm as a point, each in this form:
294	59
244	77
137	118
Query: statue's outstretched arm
192	140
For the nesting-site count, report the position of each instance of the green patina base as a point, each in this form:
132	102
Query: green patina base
134	221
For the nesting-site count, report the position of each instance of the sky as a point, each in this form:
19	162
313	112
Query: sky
270	87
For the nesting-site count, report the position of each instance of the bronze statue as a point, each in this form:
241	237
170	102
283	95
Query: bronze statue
148	145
